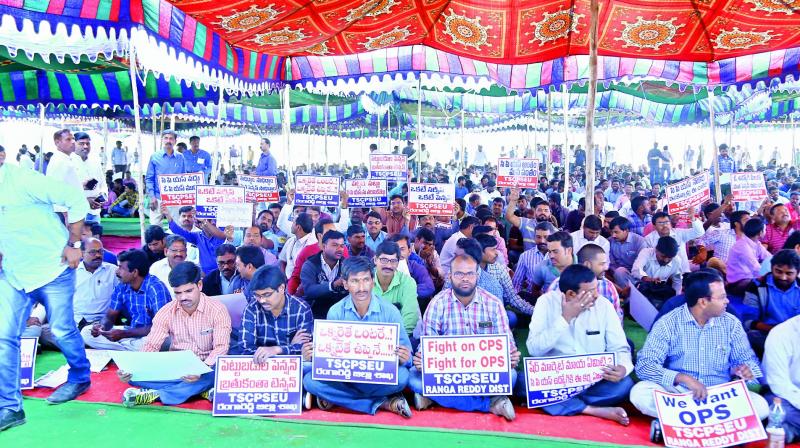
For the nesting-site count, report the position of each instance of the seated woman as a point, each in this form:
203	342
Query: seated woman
746	257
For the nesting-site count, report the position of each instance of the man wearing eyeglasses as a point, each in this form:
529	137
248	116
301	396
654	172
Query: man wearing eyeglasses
225	279
396	287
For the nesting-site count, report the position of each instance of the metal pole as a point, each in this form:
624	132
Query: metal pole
138	126
717	186
287	129
594	13
218	150
794	146
104	162
461	158
41	138
566	153
326	129
419	129
548	150
340	145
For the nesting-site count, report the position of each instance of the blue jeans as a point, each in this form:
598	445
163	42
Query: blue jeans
122	211
604	393
15	306
359	397
461	403
177	392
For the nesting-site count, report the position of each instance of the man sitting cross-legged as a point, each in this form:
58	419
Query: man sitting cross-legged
193	322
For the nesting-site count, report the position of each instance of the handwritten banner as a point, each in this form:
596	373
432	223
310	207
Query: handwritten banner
178	189
259	188
355	352
518	173
209	197
466	365
687	193
236	215
747	187
388	167
725	418
431	199
366	193
27	351
322	191
243	387
555	379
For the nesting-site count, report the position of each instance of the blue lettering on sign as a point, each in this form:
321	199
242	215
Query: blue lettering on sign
323	200
372	201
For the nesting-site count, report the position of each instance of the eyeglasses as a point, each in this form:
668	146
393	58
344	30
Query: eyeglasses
264	296
465	275
373	223
384	260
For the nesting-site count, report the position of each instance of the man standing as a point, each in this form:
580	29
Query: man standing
267	166
39	258
91	176
197	160
166	161
119	158
65	167
654	163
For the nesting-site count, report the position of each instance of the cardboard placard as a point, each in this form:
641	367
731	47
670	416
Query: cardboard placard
320	191
517	173
209	197
466	365
366	193
355	352
27	352
431	199
555	379
388	167
243	387
259	188
178	189
691	192
747	187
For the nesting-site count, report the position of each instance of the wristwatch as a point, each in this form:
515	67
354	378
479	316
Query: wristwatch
75	245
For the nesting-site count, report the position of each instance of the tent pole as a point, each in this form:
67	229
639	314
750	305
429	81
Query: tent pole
717	186
218	155
340	144
461	159
419	129
548	150
567	154
41	138
389	128
163	107
105	144
590	105
535	148
138	126
172	117
326	129
287	129
794	146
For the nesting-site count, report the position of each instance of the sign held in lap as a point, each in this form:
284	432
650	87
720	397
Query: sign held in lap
243	387
178	189
355	352
687	193
466	365
321	191
431	199
555	379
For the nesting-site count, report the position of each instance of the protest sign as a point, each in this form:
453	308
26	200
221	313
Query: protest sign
242	387
388	167
725	418
366	193
27	352
178	189
466	365
747	187
687	193
209	197
517	173
322	191
259	188
355	352
236	215
558	378
431	199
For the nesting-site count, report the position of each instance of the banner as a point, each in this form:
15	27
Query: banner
388	167
27	351
259	188
209	197
236	215
242	387
747	187
178	189
725	418
687	193
322	191
431	199
466	365
558	378
518	173
355	352
366	193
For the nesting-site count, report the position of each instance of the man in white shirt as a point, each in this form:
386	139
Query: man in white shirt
175	252
571	321
658	271
663	227
782	369
490	193
91	175
590	233
302	235
65	166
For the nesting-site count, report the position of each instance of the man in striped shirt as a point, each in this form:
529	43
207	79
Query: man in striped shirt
191	322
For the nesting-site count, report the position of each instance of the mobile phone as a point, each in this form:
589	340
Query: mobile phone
91	184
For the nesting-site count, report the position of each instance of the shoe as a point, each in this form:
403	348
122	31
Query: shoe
208	395
308	401
10	419
324	404
501	405
398	405
133	396
422	402
68	392
656	436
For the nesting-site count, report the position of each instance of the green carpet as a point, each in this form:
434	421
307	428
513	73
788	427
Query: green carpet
122	226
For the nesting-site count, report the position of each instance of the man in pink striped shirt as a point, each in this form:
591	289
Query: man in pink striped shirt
779	229
193	322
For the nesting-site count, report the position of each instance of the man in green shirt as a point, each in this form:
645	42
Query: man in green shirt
396	287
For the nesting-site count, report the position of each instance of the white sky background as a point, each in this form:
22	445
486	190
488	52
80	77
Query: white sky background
631	143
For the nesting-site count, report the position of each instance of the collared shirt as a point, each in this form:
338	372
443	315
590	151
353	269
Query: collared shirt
624	254
141	305
379	311
773	304
267	166
678	344
230	286
206	332
604	289
747	262
526	266
32	236
579	240
161	270
722	240
485	314
775	238
162	163
207	245
260	328
612	196
682	236
293	247
67	170
448	251
596	329
545	273
647	265
510	296
91	169
402	293
373	243
119	156
196	163
528	229
638	224
782	361
93	291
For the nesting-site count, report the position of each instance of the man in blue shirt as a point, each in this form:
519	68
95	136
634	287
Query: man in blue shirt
39	256
196	159
267	166
461	187
166	161
207	240
119	158
362	305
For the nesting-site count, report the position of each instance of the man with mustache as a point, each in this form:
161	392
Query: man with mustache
175	254
166	161
225	279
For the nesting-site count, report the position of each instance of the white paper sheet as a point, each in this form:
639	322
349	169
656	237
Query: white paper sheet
159	366
98	358
54	378
643	312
